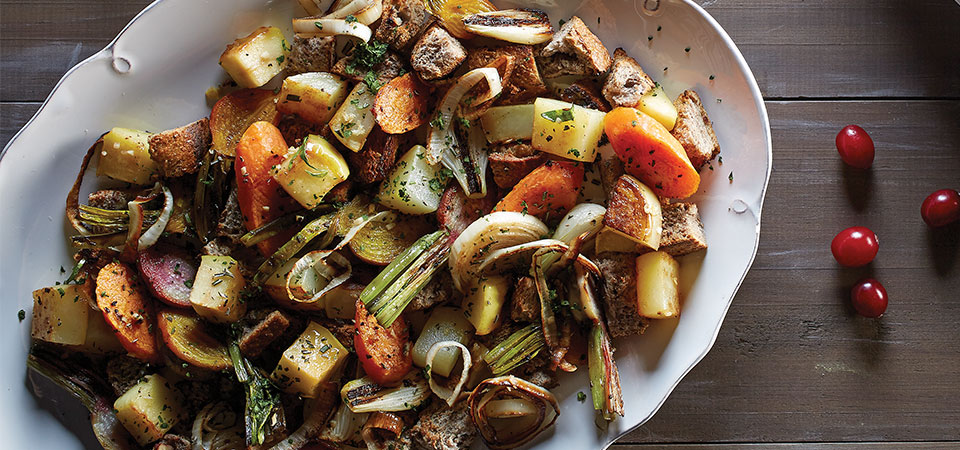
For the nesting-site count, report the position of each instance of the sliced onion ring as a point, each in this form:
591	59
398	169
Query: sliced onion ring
380	427
447	394
153	233
73	197
310	27
442	128
511	387
320	257
511	407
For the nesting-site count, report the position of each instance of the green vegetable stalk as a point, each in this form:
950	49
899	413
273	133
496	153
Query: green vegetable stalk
263	414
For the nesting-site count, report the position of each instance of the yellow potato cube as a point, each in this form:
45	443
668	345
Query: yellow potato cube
314	357
354	121
446	323
149	409
658	295
125	156
308	172
656	104
254	60
101	338
508	123
314	96
60	314
566	130
217	289
484	304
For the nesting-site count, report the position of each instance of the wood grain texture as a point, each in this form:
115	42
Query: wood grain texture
792	362
815	48
793	367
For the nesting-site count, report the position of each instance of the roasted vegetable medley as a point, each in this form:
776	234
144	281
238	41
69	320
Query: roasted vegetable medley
392	231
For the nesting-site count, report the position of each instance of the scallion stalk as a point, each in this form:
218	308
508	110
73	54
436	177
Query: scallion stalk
294	245
263	413
394	288
518	348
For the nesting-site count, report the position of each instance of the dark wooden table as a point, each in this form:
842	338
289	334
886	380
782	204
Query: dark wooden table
793	366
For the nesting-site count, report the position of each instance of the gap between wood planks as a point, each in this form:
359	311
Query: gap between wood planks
804	445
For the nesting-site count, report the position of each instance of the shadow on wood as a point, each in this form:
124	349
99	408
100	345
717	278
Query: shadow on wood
943	245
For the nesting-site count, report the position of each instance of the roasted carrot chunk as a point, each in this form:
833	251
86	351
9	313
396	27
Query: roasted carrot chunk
128	309
403	104
549	191
650	153
261	198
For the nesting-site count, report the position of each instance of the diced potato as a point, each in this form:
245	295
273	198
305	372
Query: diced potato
414	186
149	409
354	120
446	323
613	240
254	60
308	172
508	123
657	105
314	357
658	276
565	130
634	211
314	96
483	305
125	156
60	314
217	289
341	301
101	339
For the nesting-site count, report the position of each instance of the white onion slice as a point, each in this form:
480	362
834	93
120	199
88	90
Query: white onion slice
509	408
447	394
312	27
152	235
520	26
583	218
442	138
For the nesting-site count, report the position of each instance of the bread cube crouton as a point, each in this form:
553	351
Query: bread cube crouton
524	82
627	82
574	50
584	93
258	337
311	54
443	428
376	159
525	302
437	54
391	67
682	229
512	161
401	22
179	151
694	130
620	294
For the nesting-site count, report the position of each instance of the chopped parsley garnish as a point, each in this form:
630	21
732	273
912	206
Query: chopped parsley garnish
21	315
581	397
318	25
559	115
730	177
293	98
345	130
351	19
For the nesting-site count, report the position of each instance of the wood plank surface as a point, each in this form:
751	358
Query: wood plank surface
793	367
792	362
815	48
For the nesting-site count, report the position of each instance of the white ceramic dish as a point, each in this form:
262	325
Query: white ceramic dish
153	76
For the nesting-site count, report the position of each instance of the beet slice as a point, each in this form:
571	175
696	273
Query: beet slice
168	272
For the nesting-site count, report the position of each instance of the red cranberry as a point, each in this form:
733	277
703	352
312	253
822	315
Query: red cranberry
869	298
855	147
941	208
855	246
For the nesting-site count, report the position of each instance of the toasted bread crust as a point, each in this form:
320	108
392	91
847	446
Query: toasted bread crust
524	82
525	303
401	22
374	161
178	151
627	82
694	129
584	93
682	229
574	50
313	54
510	162
443	428
261	335
620	294
437	54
